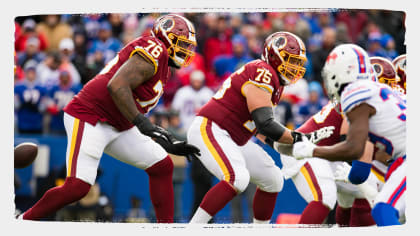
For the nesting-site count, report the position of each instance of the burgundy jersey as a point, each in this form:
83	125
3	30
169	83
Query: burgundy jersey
328	116
94	103
228	107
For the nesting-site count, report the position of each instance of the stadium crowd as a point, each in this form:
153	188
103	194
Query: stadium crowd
55	55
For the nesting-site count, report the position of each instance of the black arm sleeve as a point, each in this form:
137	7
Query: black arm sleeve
264	121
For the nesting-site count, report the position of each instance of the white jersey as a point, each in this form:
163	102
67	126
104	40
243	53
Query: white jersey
387	129
188	101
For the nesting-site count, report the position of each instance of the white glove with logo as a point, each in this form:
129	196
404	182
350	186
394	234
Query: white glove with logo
320	134
303	149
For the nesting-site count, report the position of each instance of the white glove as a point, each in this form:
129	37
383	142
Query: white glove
369	191
342	172
320	134
303	149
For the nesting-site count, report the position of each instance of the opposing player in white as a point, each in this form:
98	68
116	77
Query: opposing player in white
374	111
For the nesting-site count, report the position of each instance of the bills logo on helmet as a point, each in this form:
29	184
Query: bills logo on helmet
331	57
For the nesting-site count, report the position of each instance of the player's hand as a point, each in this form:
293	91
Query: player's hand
303	149
157	132
320	134
180	148
342	172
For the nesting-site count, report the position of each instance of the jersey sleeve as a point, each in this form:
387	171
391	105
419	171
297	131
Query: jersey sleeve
355	94
259	76
149	49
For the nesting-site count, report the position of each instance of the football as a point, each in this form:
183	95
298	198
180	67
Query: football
25	154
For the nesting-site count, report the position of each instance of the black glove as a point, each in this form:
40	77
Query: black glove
147	128
165	139
297	136
180	148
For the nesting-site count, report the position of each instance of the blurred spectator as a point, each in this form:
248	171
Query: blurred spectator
47	71
197	63
116	22
319	56
219	43
95	64
388	43
224	65
67	54
30	101
342	34
61	95
295	93
105	43
283	113
31	52
145	24
130	25
190	98
305	109
54	30
374	47
356	21
136	214
28	31
187	101
79	55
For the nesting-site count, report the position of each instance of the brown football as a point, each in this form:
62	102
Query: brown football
25	154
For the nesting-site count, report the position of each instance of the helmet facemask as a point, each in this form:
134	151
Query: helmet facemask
181	50
292	67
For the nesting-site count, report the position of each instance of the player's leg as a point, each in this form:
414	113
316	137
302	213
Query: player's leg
84	149
268	178
222	157
389	205
353	209
139	150
315	183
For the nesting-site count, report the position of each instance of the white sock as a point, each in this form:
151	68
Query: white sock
261	221
200	216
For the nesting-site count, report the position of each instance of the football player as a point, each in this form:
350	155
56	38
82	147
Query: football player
108	115
400	64
242	106
315	178
374	112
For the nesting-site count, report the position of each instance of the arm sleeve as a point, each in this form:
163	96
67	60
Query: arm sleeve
355	94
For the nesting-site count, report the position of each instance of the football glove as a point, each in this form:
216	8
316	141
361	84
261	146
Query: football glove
303	149
314	137
147	128
180	148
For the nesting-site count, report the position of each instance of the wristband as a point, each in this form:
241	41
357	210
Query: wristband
359	172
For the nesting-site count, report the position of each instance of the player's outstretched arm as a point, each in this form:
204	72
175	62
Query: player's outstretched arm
354	145
259	105
132	73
